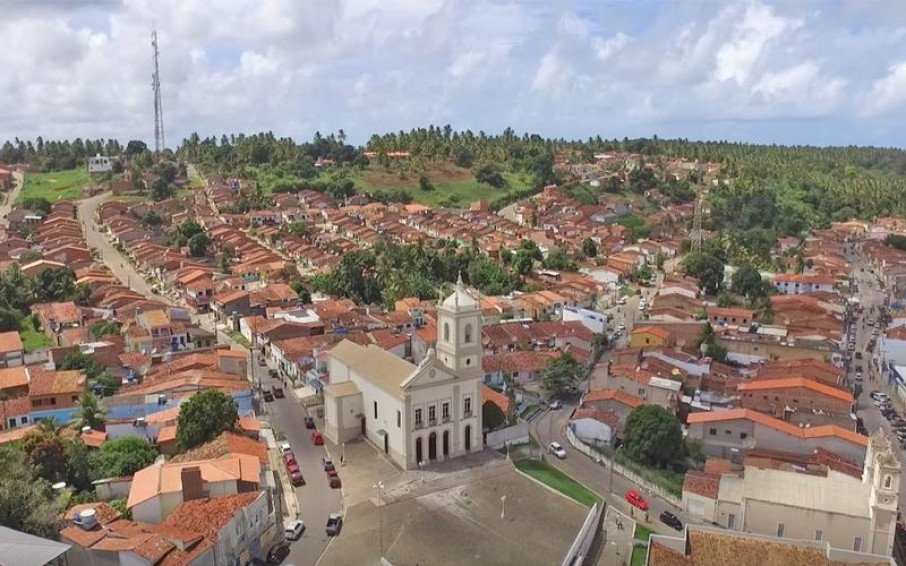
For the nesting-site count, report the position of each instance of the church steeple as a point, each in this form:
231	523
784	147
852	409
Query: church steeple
459	332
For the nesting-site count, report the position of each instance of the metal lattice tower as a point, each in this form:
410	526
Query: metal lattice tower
159	141
697	218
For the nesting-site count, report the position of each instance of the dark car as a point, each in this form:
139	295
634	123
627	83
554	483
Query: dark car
278	552
333	478
334	524
278	392
672	520
309	422
268	396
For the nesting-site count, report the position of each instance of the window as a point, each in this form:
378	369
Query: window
375	409
731	521
781	529
418	417
729	432
445	411
887	482
467	407
53	400
468	334
399	419
819	535
857	544
24	420
712	432
432	414
743	435
446	332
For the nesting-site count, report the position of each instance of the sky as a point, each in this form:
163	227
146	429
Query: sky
820	72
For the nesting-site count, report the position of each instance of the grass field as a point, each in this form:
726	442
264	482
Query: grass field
554	478
32	339
55	185
639	556
642	532
452	185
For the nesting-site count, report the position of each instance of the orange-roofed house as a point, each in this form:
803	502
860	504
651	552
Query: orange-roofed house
650	337
54	393
159	488
730	317
793	284
12	353
775	396
729	434
619	403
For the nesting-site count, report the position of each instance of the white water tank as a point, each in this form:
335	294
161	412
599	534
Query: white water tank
87	519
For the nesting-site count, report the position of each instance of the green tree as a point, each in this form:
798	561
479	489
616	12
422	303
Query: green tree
708	269
653	437
26	501
747	281
46	451
589	248
91	412
896	241
122	457
489	174
78	465
105	328
424	183
560	374
36	204
203	417
84	362
198	245
185	231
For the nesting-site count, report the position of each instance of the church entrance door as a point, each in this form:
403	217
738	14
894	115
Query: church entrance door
446	443
432	446
468	439
418	450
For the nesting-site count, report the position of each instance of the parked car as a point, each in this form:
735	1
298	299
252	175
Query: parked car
294	530
333	478
858	355
262	361
334	524
621	301
858	376
669	518
289	458
636	500
328	464
268	396
556	404
296	478
557	450
316	438
309	422
278	392
285	447
278	552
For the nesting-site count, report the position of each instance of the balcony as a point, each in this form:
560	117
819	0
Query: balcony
419	425
467	414
432	422
445	419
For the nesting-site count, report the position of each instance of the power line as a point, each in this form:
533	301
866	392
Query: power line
159	141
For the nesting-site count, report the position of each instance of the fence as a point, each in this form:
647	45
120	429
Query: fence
622	470
578	553
514	435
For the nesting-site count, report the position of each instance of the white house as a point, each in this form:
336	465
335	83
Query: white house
415	414
100	164
793	284
592	320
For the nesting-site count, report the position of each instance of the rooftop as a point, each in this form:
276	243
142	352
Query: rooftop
375	364
10	342
167	478
813	432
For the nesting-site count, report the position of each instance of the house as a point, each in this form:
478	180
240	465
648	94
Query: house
158	489
700	545
792	284
726	434
21	549
652	386
619	403
414	414
776	397
523	367
100	164
54	393
730	317
650	337
854	512
12	353
594	426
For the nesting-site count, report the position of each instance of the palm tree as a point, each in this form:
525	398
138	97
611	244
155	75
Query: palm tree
91	412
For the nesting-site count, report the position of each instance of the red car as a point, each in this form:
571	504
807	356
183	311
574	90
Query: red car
316	438
289	458
334	479
636	500
296	478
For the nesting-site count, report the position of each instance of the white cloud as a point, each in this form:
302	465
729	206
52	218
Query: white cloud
801	88
607	48
759	25
889	93
553	75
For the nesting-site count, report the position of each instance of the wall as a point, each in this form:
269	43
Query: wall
773	401
594	321
800	523
110	489
388	405
149	511
692	502
651	395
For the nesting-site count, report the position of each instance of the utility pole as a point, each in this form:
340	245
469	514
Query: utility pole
380	487
159	141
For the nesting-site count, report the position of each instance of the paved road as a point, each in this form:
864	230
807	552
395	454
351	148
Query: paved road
7	205
316	499
550	428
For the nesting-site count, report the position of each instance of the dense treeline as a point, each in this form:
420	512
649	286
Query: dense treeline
57	155
18	291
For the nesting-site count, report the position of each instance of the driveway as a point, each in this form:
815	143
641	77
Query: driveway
316	499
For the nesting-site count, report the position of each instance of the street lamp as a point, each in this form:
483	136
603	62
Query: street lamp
380	487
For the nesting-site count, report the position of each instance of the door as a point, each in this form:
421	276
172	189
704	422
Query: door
418	450
446	443
468	439
363	425
386	443
432	446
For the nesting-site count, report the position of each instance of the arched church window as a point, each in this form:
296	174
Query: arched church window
887	481
446	332
468	334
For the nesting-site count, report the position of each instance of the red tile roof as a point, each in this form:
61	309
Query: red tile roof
785	427
10	342
613	395
702	483
796	382
499	399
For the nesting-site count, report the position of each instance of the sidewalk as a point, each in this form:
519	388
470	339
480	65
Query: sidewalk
618	534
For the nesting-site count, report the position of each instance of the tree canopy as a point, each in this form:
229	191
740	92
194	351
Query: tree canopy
653	437
203	417
560	374
122	457
705	267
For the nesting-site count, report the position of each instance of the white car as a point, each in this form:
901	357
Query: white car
643	305
557	450
621	301
621	328
556	404
858	376
294	530
285	447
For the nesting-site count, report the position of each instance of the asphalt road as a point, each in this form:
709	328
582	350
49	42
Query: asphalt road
316	498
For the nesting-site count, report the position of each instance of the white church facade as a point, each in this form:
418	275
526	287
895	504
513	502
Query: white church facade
415	414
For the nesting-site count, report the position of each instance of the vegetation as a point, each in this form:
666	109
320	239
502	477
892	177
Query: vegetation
653	437
19	291
91	413
203	417
57	155
642	532
554	478
33	339
639	556
105	328
708	269
54	185
561	374
122	457
26	500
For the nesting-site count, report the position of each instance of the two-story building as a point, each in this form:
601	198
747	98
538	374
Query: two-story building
53	394
415	414
12	353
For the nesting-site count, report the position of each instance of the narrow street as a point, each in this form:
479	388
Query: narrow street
316	498
10	199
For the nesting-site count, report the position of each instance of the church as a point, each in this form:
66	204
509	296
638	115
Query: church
415	414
